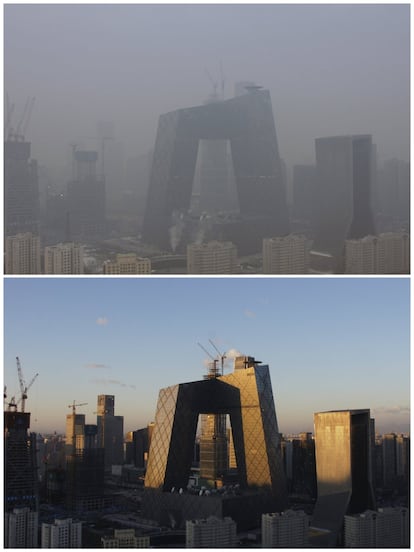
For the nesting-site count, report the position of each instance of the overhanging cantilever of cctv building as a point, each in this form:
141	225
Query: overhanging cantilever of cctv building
247	122
246	395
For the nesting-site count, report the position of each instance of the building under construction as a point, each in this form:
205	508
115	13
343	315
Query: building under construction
20	477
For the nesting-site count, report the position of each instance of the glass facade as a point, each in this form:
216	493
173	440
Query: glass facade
247	122
246	395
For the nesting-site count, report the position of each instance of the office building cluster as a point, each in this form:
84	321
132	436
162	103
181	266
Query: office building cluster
239	477
207	201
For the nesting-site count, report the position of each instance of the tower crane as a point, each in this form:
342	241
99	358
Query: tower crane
23	386
73	406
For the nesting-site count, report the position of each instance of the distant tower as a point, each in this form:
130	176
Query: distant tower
343	187
86	198
85	466
343	468
21	189
110	431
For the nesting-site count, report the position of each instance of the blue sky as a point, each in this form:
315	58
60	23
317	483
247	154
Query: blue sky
331	343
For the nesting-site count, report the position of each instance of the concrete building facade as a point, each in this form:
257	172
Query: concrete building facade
385	528
211	533
212	258
20	528
287	529
286	255
22	254
127	263
63	533
387	253
64	258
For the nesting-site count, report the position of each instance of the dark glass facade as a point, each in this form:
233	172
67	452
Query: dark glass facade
247	122
344	168
246	395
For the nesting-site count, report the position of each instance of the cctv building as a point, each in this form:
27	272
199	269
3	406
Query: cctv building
247	122
246	396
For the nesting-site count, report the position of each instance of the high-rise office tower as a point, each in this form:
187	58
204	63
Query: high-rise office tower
20	481
387	528
22	254
210	533
211	258
63	533
21	189
247	122
127	263
246	395
84	464
64	258
110	431
343	468
287	529
394	191
303	201
388	253
86	199
20	528
286	255
343	184
21	496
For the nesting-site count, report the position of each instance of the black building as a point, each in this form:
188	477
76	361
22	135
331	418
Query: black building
247	122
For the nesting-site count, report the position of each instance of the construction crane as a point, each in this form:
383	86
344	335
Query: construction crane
73	406
222	357
23	386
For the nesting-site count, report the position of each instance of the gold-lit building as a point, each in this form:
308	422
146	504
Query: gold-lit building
343	468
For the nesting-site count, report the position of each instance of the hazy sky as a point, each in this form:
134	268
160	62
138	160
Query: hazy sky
331	343
331	69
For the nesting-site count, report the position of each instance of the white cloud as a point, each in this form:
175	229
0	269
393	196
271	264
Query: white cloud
95	365
103	321
250	314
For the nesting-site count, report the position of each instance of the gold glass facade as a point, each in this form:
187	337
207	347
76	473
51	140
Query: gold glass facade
246	395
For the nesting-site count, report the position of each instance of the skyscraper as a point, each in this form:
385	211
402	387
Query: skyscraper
343	468
110	431
20	482
246	395
21	189
86	199
247	121
343	188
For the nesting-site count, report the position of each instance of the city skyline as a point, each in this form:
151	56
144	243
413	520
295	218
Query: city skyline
331	70
331	344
